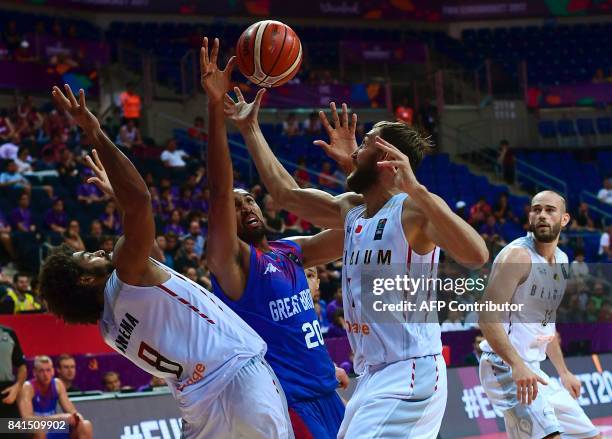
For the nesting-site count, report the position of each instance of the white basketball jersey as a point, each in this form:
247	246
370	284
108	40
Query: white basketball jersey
531	329
378	247
180	332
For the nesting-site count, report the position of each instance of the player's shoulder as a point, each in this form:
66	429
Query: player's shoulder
348	201
514	254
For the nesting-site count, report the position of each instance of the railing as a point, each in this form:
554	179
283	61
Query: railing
597	206
541	179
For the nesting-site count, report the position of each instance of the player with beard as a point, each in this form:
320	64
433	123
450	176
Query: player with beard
167	325
393	227
264	282
531	271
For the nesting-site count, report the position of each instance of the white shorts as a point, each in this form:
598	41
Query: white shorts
252	406
399	400
553	410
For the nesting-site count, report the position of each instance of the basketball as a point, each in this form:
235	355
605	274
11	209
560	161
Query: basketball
269	53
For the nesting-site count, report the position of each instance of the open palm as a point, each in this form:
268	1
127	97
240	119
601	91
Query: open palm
215	82
77	109
342	142
242	113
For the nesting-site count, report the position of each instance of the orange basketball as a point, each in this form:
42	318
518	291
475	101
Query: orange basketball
269	53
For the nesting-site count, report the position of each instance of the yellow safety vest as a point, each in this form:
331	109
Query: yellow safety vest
27	304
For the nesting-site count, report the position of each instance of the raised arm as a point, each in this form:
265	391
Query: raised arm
322	248
316	206
436	222
226	254
509	271
130	190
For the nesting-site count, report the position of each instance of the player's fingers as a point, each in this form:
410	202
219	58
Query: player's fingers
325	122
228	101
326	146
214	52
542	380
70	95
259	96
205	52
82	98
353	123
335	117
59	98
94	180
519	392
389	163
97	160
229	67
239	94
345	119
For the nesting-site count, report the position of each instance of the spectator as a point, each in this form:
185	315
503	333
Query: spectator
161	244
605	194
204	273
479	213
55	148
579	268
605	313
10	149
154	384
185	203
599	294
39	398
334	305
11	360
197	132
320	306
5	237
404	113
272	218
491	231
111	222
111	381
326	178
591	313
56	218
21	216
55	124
130	104
599	77
62	63
11	36
171	248
172	157
30	121
7	130
129	136
195	233
460	210
72	237
473	358
604	253
24	52
312	125
291	126
506	160
19	298
11	178
455	321
186	256
94	238
502	209
174	224
582	218
107	243
66	372
301	174
24	161
337	328
88	193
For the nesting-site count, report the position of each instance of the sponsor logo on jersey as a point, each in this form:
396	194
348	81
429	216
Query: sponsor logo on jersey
197	375
359	229
380	228
293	257
271	268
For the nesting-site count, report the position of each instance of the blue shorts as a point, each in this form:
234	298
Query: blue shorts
317	418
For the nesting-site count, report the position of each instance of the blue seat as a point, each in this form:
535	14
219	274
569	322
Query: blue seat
566	128
604	125
547	129
585	127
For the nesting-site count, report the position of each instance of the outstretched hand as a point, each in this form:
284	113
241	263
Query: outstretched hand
215	82
242	113
399	163
101	178
342	142
77	109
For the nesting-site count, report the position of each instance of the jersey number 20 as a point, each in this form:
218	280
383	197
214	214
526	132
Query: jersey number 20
313	330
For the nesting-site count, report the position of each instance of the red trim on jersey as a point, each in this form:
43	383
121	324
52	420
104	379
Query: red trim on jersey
185	302
300	429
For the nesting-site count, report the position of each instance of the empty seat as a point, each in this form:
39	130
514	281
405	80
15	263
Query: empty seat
547	128
585	127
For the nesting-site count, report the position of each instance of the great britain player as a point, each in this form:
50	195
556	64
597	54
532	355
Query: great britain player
392	224
167	325
264	282
531	271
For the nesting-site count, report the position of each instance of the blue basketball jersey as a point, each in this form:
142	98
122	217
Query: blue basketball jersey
277	304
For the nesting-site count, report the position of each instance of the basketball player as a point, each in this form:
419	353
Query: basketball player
264	282
39	397
165	324
390	219
531	271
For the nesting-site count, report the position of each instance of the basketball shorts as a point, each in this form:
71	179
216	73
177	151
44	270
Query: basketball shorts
317	418
398	400
251	406
553	410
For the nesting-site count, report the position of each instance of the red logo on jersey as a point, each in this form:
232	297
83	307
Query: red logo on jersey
196	376
358	229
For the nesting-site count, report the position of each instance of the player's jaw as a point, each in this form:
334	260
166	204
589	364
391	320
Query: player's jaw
365	174
545	231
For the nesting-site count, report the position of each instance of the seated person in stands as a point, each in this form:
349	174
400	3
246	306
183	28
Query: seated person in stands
129	135
11	178
21	216
40	396
155	383
173	157
86	192
111	381
94	238
291	126
5	237
197	131
72	236
66	372
56	218
19	298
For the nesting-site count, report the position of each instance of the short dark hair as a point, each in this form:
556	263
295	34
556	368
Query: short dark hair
18	275
63	357
504	142
60	286
407	139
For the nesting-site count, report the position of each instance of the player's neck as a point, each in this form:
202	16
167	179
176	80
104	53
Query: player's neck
376	197
547	250
263	245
